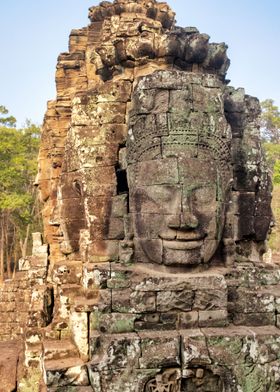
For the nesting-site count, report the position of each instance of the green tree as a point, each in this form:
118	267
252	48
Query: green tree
8	121
270	121
18	198
276	173
273	159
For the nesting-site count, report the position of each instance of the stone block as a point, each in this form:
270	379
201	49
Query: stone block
112	92
6	297
157	101
213	318
159	349
67	272
119	206
206	99
181	98
116	323
188	320
147	251
143	229
251	301
128	301
36	274
11	317
117	351
114	230
73	389
261	227
175	300
210	299
235	345
96	276
278	320
79	327
98	300
143	280
103	251
157	172
7	307
10	354
116	380
33	355
194	348
24	264
255	319
156	321
65	372
59	349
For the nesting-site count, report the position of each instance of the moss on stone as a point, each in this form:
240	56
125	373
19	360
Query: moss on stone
123	325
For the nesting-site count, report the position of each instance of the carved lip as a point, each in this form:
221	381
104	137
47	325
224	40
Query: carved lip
182	245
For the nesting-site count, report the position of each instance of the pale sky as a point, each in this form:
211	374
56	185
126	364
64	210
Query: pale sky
34	32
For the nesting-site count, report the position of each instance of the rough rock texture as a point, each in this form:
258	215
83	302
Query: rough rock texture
10	353
156	211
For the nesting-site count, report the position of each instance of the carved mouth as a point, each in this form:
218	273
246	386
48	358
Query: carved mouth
182	245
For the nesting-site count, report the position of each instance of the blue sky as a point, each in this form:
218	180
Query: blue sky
34	32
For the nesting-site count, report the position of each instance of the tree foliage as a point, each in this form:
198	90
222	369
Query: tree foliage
18	199
273	159
270	121
8	121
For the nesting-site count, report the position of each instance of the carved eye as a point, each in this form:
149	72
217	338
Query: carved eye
204	195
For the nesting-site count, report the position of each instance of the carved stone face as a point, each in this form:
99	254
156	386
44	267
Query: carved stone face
178	209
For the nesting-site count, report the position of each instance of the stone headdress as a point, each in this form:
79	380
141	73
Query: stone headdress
166	118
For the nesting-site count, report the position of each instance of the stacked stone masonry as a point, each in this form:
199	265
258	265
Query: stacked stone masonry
26	300
156	212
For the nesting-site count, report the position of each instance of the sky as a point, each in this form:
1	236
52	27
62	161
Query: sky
34	32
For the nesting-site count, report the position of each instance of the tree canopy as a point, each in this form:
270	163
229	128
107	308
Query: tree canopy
8	121
270	121
18	157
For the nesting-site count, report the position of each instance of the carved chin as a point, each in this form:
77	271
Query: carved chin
177	252
190	253
182	256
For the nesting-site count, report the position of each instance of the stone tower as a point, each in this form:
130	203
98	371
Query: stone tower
156	211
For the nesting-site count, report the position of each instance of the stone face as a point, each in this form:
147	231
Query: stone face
156	208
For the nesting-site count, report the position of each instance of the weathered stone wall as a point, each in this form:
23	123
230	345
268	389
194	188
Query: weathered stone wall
14	306
26	301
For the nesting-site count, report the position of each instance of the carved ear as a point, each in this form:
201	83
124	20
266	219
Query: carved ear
229	185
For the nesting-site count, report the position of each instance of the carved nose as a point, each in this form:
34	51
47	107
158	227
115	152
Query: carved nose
184	221
188	220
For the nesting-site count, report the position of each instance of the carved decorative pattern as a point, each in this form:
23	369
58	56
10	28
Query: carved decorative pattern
154	386
169	381
213	145
218	146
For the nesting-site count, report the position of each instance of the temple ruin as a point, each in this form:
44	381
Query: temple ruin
156	194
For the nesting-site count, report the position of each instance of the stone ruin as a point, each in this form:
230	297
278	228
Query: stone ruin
156	212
